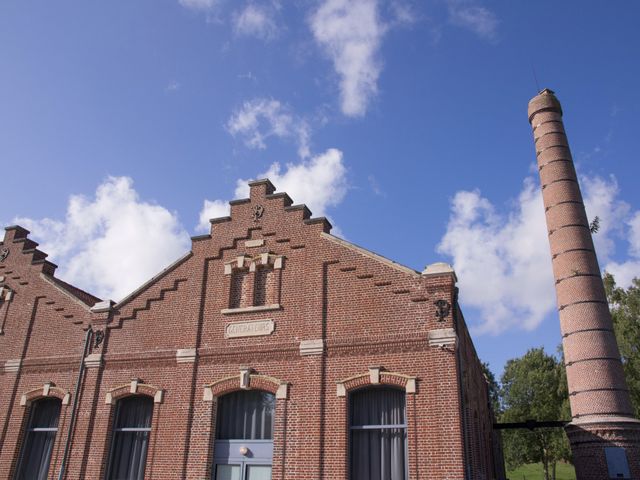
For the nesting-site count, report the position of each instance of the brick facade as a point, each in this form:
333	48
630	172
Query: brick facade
269	301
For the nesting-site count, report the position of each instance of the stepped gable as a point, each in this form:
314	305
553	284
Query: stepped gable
17	241
265	210
266	213
18	250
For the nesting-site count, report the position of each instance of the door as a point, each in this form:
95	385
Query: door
243	449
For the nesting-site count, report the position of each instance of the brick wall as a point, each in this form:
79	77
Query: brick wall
336	311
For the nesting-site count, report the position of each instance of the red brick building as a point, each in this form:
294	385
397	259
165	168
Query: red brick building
271	350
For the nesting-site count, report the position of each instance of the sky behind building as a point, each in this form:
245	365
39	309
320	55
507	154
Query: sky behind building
126	125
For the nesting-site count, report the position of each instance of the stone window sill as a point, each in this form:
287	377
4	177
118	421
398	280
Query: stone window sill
259	308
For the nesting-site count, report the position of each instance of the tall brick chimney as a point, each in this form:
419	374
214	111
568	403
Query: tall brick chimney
604	434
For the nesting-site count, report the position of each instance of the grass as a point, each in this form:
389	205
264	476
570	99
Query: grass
534	471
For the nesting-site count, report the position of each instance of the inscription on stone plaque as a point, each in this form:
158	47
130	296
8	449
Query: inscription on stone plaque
249	329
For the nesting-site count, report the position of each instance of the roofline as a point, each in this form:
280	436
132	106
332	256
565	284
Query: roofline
155	278
370	254
66	292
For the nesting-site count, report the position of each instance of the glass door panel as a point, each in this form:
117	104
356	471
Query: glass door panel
258	472
228	472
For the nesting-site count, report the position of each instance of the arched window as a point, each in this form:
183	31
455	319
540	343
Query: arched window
131	428
39	438
378	434
244	436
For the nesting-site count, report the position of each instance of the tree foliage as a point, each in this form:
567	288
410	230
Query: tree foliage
494	389
534	388
625	310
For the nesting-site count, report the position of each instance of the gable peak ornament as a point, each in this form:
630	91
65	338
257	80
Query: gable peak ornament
4	253
442	309
257	212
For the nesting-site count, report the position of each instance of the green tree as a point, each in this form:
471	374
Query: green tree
625	310
534	388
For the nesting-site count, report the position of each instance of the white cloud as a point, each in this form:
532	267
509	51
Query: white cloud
320	183
479	20
634	237
261	118
172	86
110	244
350	33
503	261
402	13
601	200
625	272
211	209
256	21
199	4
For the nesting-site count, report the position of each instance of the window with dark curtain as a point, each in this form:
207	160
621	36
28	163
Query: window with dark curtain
39	438
378	434
246	415
131	428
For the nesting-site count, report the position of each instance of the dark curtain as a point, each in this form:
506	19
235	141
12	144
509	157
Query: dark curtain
245	415
378	453
129	448
38	445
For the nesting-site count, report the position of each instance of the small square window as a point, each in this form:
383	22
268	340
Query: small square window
617	462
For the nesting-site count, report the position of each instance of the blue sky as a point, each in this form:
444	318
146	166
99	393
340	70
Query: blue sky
129	123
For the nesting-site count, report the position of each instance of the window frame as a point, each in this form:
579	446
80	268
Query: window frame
262	449
28	430
115	430
352	428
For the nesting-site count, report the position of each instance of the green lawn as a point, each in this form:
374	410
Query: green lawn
533	471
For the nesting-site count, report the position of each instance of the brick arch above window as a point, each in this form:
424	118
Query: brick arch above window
135	387
246	381
376	376
48	390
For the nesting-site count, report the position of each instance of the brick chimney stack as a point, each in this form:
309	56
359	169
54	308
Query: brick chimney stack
604	434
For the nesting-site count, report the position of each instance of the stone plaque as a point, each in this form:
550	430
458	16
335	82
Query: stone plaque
249	329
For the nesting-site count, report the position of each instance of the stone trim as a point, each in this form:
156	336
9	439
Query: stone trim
6	293
246	261
257	308
439	268
376	376
135	387
103	307
259	242
443	337
93	360
47	390
186	355
12	366
312	347
255	328
246	380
